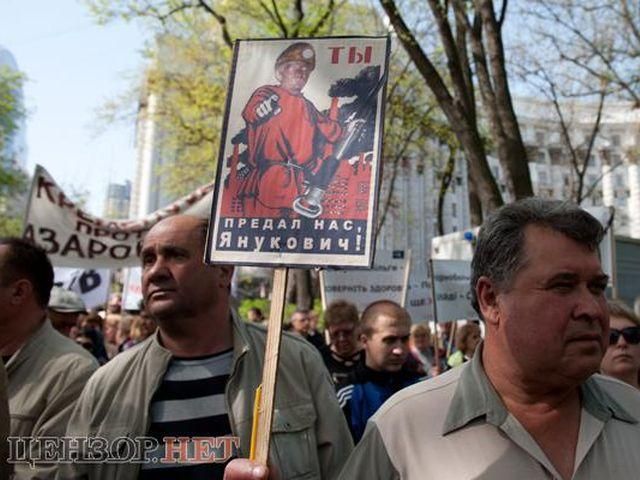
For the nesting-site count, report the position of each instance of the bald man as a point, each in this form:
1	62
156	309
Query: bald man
385	329
194	379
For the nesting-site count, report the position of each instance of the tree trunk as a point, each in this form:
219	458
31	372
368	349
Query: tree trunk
461	119
304	297
475	207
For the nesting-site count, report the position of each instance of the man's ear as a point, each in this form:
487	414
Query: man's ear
363	339
487	296
21	290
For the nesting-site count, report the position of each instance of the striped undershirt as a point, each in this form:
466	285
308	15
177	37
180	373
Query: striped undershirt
189	403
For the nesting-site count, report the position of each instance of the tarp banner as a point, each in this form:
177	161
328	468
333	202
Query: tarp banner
74	238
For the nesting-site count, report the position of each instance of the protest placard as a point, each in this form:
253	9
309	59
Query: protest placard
91	285
385	280
298	169
299	163
132	288
451	290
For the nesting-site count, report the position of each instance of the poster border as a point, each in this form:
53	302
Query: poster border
221	161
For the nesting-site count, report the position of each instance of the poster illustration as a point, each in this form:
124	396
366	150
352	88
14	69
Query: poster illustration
299	164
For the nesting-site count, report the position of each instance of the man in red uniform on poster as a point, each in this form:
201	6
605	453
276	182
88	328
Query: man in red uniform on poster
286	136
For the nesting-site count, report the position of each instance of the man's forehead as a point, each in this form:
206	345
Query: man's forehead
173	230
546	247
388	321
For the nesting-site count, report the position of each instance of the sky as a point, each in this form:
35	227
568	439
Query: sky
72	66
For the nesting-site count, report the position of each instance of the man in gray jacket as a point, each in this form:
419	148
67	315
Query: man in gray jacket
188	390
45	370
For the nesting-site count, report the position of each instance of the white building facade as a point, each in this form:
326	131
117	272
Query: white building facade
612	176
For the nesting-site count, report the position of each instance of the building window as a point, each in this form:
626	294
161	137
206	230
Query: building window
454	210
541	157
540	138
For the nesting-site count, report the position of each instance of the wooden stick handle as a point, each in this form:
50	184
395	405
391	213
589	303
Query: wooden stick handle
269	373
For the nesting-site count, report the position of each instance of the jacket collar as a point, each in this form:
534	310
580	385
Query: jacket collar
241	342
475	397
35	341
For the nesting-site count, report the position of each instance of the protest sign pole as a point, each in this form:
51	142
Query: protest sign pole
323	297
405	282
452	336
612	246
265	394
436	349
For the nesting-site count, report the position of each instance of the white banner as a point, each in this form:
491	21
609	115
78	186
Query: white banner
419	302
132	290
91	285
362	287
74	238
452	290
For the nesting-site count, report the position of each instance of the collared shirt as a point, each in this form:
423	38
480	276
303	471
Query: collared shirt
456	427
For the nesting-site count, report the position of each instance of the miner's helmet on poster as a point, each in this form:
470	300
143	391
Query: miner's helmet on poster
300	156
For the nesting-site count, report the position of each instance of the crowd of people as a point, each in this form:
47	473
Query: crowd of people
104	332
370	395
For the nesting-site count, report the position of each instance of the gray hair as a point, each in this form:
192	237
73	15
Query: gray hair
499	250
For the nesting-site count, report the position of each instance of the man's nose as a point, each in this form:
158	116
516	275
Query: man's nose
589	306
399	349
159	269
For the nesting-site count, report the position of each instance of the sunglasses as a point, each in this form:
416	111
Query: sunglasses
630	334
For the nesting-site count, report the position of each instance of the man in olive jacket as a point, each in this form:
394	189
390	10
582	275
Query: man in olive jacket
197	375
5	468
45	371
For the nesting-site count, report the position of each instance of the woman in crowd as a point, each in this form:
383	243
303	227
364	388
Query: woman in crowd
622	358
467	339
423	351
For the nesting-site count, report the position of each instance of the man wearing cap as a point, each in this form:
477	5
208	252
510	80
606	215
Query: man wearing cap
65	308
286	135
45	371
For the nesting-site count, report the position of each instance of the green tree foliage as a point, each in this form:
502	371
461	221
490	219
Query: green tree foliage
13	182
11	110
189	68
